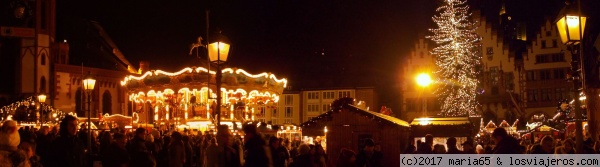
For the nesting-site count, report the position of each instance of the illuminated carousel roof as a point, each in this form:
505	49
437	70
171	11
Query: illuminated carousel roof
233	80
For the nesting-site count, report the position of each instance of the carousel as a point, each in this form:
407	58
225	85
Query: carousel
187	98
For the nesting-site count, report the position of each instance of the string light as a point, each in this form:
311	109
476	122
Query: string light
457	57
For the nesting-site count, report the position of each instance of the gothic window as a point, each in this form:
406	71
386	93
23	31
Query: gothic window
106	102
490	52
554	43
509	81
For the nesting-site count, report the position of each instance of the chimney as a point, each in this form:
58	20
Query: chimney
144	66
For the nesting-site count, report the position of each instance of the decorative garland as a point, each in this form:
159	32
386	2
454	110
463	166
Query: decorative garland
22	110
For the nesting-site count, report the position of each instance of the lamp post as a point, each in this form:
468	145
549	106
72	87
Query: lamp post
424	80
88	85
218	51
571	24
41	100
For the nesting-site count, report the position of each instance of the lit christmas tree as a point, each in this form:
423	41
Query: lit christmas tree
457	56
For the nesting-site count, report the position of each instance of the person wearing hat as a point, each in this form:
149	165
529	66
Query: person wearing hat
10	155
366	157
452	148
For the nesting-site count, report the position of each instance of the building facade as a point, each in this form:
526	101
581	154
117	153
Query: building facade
35	61
519	77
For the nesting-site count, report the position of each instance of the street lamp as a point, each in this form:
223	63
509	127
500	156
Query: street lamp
218	51
41	100
571	24
88	85
424	80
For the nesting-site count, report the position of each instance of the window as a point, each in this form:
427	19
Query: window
530	75
532	95
344	94
559	74
509	80
543	44
560	94
313	108
261	112
288	112
274	112
313	95
558	57
325	107
550	58
554	43
274	121
106	103
548	33
43	61
546	94
494	76
489	51
289	100
328	95
287	121
545	75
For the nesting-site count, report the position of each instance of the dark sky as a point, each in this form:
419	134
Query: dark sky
362	40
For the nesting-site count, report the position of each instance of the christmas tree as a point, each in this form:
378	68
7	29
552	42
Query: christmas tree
457	56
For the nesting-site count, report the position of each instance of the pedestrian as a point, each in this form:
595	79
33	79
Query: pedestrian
427	146
347	158
452	148
176	150
10	154
546	146
279	153
116	155
67	150
566	148
212	153
139	153
257	153
468	147
366	155
505	144
229	154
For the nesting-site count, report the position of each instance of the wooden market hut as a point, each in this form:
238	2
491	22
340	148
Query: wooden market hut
348	127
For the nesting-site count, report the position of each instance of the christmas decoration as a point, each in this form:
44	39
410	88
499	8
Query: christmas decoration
457	56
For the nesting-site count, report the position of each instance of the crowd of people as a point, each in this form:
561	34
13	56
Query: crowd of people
503	143
66	146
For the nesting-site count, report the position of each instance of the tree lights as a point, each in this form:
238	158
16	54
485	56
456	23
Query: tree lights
456	56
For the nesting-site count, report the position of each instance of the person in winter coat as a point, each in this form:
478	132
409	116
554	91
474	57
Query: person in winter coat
176	150
257	152
505	144
10	155
68	149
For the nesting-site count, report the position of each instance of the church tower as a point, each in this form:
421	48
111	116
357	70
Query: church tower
26	46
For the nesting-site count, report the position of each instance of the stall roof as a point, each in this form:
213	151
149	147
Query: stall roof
382	116
441	121
355	109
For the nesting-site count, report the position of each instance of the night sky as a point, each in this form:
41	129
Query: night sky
313	43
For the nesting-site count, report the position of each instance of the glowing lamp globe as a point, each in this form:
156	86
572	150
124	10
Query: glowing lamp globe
570	24
218	48
424	80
